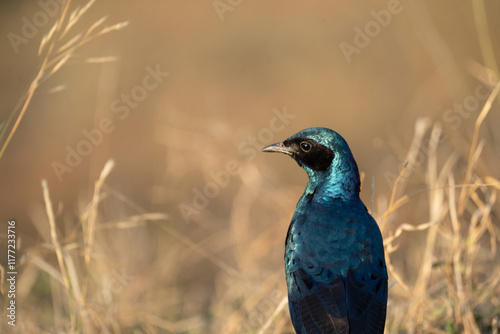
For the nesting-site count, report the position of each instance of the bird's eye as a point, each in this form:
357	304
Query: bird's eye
305	146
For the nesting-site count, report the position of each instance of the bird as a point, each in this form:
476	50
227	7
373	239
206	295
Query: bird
334	255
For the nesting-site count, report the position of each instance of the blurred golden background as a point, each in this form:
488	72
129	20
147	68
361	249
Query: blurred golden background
186	233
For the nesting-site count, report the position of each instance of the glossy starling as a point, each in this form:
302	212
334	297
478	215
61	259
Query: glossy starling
334	254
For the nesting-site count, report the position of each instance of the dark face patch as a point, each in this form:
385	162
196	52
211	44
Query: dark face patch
310	153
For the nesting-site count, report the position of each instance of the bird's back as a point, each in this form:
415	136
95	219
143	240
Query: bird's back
335	267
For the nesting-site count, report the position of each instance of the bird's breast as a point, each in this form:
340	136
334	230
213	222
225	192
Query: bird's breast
322	246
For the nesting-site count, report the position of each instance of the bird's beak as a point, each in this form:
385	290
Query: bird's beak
279	148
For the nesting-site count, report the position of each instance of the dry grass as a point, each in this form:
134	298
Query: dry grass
55	50
452	278
114	267
456	290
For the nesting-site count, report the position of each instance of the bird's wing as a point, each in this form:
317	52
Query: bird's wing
354	305
320	307
366	296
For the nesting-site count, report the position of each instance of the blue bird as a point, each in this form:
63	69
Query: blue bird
334	253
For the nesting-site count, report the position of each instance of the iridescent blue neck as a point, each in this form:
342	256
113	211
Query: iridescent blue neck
340	180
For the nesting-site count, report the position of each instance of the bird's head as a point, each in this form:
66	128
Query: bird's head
325	156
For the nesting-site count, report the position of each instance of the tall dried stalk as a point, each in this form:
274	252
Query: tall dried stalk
59	253
57	55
